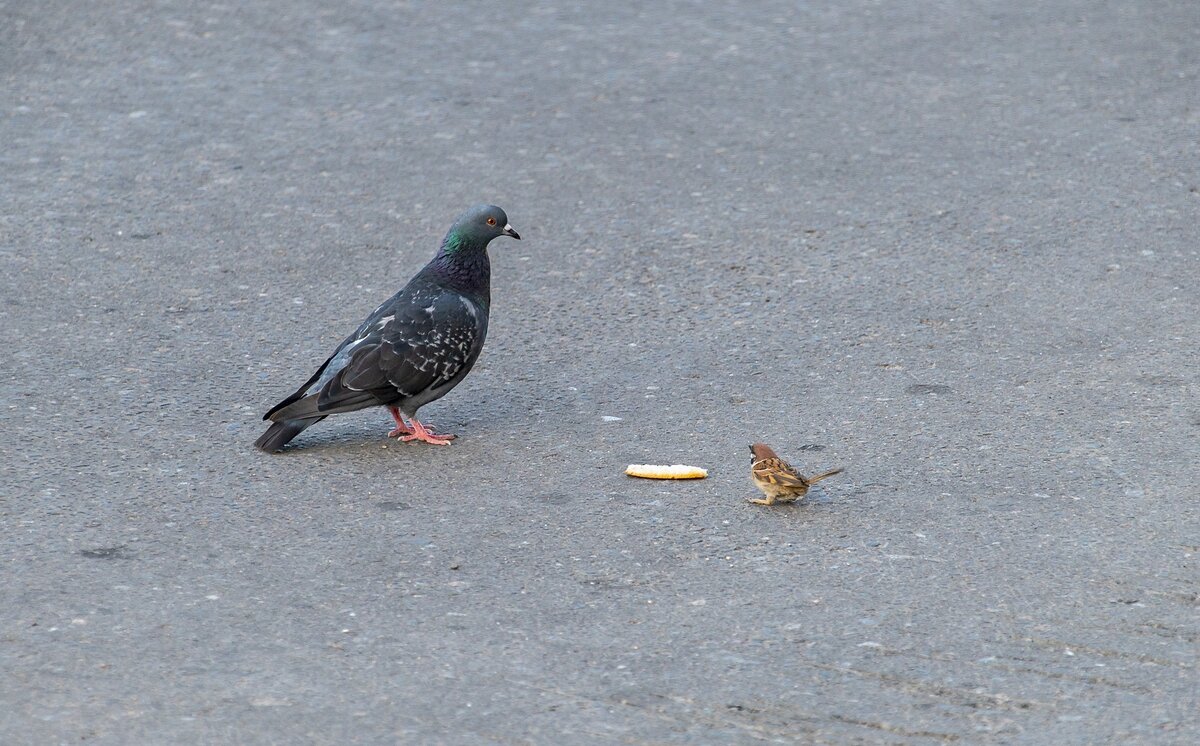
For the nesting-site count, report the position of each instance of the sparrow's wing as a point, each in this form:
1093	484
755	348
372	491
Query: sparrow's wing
777	472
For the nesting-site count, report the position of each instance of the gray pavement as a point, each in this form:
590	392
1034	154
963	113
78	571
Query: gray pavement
949	246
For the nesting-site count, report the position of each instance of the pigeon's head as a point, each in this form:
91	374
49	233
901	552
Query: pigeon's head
479	225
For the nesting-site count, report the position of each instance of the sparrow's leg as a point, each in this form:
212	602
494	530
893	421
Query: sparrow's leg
769	500
402	427
421	433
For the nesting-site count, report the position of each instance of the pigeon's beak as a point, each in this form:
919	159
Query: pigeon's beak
508	231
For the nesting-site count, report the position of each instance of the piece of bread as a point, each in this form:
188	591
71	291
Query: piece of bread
660	471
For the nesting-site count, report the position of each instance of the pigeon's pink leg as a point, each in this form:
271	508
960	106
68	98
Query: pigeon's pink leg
420	433
402	427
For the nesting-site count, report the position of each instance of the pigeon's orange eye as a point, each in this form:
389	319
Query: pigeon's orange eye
491	221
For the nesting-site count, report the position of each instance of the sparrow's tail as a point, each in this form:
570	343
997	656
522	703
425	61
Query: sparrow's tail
279	433
819	477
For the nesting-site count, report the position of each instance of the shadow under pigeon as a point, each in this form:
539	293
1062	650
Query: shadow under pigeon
346	440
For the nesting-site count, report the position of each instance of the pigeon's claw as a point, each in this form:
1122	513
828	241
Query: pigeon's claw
402	427
422	434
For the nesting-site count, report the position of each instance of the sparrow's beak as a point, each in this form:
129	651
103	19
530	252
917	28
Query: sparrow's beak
508	231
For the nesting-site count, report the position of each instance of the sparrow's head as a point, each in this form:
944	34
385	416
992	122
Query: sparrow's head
760	451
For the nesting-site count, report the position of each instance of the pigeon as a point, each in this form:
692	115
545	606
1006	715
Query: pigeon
412	349
779	482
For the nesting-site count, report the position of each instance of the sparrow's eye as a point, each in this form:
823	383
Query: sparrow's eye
491	221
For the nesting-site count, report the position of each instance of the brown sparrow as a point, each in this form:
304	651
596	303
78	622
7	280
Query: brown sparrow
776	478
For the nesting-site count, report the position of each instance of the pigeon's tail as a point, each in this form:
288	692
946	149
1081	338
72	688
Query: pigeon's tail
819	477
279	433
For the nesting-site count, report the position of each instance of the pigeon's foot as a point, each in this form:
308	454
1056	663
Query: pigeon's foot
402	427
422	434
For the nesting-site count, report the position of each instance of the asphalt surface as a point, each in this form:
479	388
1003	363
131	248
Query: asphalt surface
949	246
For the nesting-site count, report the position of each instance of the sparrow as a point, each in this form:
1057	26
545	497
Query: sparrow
777	479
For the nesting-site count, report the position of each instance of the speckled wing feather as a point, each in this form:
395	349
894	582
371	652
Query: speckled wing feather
416	349
777	472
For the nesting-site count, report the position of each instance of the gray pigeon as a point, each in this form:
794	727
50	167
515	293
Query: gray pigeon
411	350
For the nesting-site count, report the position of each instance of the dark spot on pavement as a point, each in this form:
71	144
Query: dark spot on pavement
392	505
812	447
921	389
1161	380
117	552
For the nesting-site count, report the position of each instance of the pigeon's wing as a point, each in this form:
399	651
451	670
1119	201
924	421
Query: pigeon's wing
776	472
368	334
425	344
303	391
